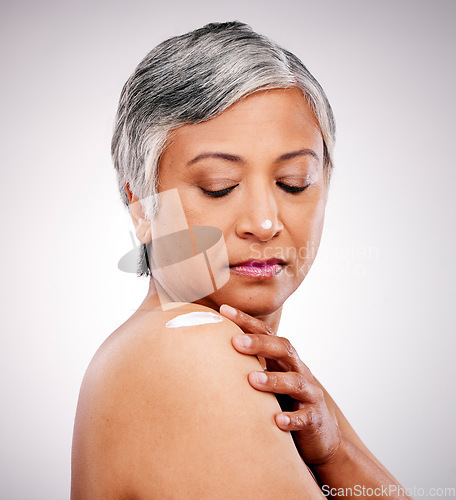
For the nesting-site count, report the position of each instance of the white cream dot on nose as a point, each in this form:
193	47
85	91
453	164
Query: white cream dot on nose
267	224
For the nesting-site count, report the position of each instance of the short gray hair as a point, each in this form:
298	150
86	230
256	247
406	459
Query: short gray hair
194	77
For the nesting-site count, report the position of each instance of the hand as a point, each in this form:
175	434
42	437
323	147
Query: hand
315	431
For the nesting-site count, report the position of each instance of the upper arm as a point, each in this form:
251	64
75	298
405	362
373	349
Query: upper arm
180	420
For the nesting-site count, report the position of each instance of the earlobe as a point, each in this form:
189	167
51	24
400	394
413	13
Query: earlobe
142	226
143	230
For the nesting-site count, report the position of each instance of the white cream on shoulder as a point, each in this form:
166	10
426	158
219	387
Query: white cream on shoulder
194	319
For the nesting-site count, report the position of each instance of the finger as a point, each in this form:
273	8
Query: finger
245	321
293	384
309	420
272	347
242	344
251	325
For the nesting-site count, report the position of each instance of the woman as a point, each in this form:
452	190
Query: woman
223	147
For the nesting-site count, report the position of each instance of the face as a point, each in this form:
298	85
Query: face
256	173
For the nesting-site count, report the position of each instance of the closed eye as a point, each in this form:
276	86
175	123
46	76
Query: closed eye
219	193
292	189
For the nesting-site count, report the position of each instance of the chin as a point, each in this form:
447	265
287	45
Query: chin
253	300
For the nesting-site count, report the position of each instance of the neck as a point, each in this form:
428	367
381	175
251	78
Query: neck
272	320
156	297
152	299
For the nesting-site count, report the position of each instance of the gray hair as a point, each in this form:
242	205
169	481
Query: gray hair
192	78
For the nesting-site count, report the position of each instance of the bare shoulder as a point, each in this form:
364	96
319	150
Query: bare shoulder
168	412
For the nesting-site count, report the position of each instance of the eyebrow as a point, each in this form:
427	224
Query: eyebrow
239	159
223	156
301	152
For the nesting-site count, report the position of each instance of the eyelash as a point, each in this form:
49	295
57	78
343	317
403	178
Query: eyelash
292	189
224	192
220	193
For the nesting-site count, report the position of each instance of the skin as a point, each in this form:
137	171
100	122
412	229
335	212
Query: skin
259	147
325	439
259	130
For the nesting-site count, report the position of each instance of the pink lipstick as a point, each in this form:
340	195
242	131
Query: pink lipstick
258	269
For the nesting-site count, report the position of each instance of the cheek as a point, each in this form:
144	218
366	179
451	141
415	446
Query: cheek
307	231
199	213
316	225
192	208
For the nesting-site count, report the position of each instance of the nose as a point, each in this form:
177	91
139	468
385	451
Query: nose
259	214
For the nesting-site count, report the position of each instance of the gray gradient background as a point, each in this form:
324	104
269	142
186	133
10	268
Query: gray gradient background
374	319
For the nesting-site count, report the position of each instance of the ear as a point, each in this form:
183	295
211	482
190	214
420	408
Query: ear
142	226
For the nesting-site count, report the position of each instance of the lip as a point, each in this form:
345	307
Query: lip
258	268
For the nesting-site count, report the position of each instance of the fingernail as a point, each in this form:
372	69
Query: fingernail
228	310
283	420
261	377
244	340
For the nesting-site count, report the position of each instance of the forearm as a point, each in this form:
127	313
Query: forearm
351	474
